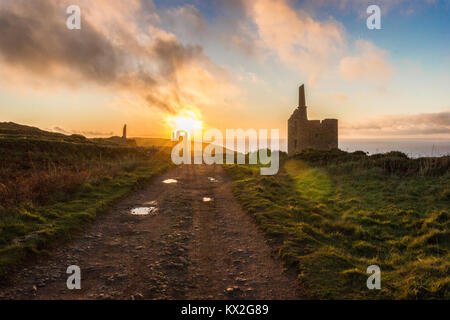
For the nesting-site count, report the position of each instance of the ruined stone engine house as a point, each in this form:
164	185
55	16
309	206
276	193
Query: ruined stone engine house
306	134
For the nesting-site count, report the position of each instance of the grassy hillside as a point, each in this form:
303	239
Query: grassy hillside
51	184
333	214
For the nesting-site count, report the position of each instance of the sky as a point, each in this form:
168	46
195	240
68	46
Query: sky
229	63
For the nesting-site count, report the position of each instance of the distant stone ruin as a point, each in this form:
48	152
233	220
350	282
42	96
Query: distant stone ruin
306	134
124	135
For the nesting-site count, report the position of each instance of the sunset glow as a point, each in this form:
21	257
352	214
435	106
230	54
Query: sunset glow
187	121
238	62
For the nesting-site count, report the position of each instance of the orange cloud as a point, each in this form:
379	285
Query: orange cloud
297	39
370	64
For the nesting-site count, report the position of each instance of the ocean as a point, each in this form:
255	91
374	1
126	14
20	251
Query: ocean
414	148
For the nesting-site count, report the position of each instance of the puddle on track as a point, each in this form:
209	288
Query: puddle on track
169	181
144	211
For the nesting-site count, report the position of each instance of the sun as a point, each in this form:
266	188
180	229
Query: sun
187	121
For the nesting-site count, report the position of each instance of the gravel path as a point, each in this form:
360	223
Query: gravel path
191	248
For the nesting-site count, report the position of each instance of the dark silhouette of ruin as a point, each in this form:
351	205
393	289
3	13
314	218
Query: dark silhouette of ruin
124	135
306	134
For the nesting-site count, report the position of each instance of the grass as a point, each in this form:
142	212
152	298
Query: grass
34	170
333	215
51	186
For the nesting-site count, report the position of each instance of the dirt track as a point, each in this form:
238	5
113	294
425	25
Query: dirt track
190	250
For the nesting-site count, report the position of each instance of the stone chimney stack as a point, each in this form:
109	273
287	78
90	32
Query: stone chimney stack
301	96
124	136
302	103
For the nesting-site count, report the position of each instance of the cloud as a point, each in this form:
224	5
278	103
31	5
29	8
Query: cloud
317	49
34	39
402	125
116	48
370	63
187	19
296	38
263	29
230	26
